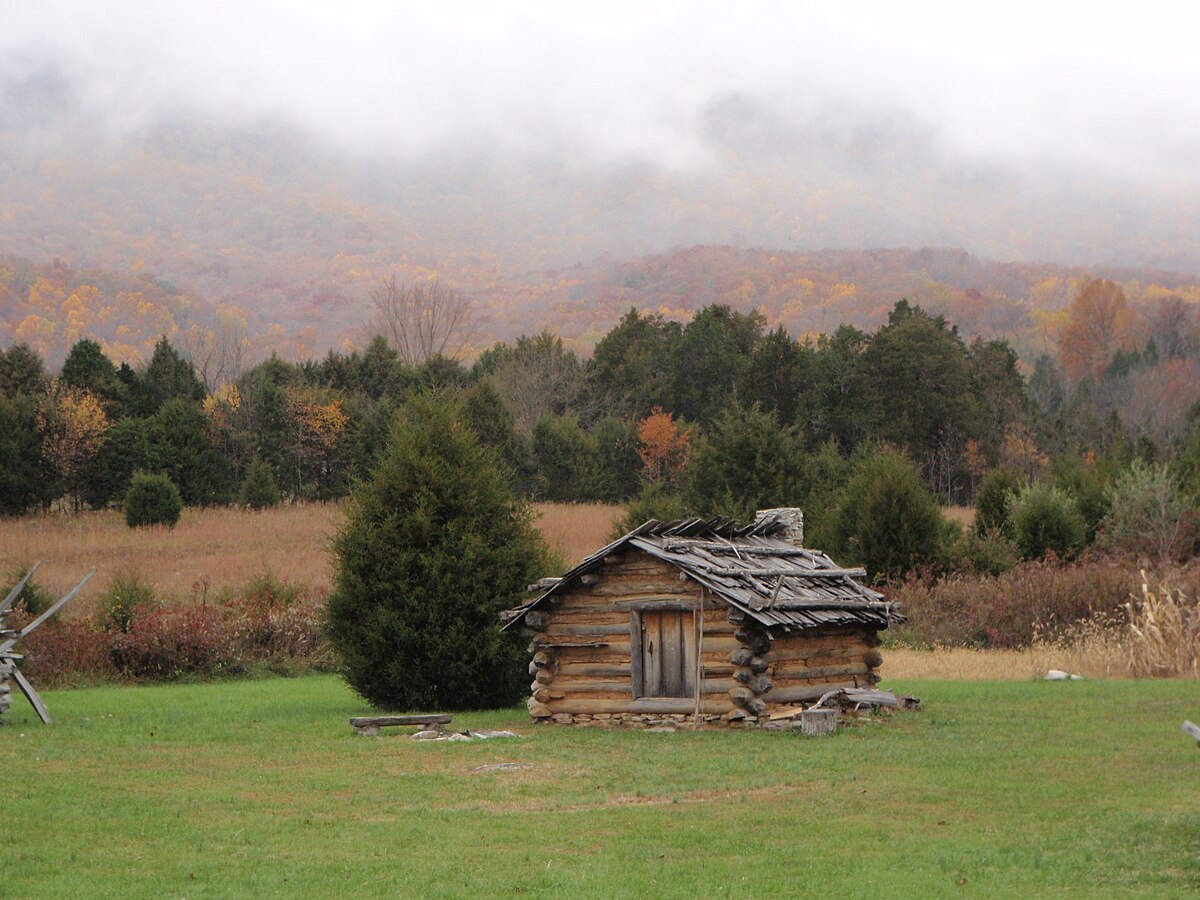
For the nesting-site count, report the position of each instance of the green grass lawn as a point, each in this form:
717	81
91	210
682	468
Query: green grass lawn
260	788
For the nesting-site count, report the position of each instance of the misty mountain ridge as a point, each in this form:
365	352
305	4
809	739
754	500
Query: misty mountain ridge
293	228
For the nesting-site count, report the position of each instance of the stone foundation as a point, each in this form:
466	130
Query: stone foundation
736	719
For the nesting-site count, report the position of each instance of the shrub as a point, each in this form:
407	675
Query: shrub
152	500
35	598
992	501
887	521
269	591
259	490
1147	513
1085	481
1008	610
279	625
126	593
985	554
171	641
1044	519
64	652
435	545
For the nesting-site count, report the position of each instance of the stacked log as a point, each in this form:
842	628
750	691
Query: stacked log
582	669
750	660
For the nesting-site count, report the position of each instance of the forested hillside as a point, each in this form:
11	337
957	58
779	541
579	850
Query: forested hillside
281	234
52	305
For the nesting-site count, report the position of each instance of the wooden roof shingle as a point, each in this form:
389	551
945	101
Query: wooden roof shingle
753	568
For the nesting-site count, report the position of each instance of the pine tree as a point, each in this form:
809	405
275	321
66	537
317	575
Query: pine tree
259	489
435	545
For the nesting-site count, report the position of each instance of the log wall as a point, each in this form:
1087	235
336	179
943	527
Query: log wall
583	653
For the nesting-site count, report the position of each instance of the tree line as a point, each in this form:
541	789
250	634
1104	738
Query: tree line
718	415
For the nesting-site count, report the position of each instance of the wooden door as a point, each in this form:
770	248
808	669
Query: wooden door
668	653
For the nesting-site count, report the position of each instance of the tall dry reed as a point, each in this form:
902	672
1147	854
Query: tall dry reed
1164	633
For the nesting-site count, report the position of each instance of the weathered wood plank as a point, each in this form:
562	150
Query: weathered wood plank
843	671
576	686
386	721
623	588
677	680
34	698
637	667
567	629
787	650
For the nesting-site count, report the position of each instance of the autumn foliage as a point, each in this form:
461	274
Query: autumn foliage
662	446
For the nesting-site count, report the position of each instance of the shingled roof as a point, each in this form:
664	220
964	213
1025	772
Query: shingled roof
752	568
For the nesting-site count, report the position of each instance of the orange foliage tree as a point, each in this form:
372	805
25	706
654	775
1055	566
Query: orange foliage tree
662	446
1100	321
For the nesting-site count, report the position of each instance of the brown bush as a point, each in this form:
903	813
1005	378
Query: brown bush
1037	599
272	624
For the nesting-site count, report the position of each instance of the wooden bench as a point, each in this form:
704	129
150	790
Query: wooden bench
370	725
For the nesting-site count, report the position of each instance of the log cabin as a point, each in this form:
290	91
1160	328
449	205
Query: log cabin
700	620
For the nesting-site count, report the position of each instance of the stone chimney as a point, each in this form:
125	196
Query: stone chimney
792	518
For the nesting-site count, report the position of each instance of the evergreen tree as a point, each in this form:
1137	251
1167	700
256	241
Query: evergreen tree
777	376
711	358
566	460
259	490
22	372
152	500
23	481
744	462
126	449
1045	519
180	449
435	545
617	451
888	522
492	423
168	377
919	383
992	501
630	371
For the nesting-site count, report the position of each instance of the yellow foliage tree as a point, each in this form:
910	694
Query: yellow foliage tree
72	424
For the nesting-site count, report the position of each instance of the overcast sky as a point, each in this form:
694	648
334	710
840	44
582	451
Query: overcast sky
1020	83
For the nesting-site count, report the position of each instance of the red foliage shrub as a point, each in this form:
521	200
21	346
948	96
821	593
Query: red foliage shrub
66	652
169	641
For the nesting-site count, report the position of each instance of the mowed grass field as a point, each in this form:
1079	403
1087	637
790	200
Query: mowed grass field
224	547
260	788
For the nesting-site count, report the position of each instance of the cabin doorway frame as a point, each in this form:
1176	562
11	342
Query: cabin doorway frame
665	650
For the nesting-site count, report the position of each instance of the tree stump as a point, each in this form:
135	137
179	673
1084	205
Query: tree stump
818	721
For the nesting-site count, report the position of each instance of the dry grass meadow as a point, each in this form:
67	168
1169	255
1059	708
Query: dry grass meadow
215	549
